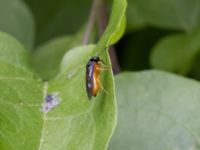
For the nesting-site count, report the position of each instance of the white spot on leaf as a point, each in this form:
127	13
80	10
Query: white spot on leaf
50	101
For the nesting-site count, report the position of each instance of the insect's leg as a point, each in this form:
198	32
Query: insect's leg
101	62
103	66
101	86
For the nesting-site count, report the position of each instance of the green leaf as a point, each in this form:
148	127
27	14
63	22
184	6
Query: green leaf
93	121
157	110
20	98
47	58
115	26
74	123
171	14
176	53
17	20
119	32
12	52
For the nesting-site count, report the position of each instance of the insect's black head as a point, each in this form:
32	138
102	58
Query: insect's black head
94	59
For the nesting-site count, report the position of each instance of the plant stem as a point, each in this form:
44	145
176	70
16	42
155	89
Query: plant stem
102	19
91	21
114	59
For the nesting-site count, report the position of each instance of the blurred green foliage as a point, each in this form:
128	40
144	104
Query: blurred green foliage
136	48
155	107
17	20
152	27
150	24
58	17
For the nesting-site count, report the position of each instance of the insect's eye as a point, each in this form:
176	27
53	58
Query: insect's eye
88	65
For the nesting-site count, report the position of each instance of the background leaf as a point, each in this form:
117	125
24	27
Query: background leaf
171	14
17	20
156	110
176	53
134	49
47	58
58	18
12	52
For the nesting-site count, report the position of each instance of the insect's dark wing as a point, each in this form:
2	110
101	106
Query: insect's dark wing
89	79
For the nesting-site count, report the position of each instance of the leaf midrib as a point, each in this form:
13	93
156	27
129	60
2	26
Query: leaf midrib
45	88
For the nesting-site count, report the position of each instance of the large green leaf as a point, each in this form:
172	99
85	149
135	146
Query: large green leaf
176	53
74	123
16	19
157	111
173	14
20	98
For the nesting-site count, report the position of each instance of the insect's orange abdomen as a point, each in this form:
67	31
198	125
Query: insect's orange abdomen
96	79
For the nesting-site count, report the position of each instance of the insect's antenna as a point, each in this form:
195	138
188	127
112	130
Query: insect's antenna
101	52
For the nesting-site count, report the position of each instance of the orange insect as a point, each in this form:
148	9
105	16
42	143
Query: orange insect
93	83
